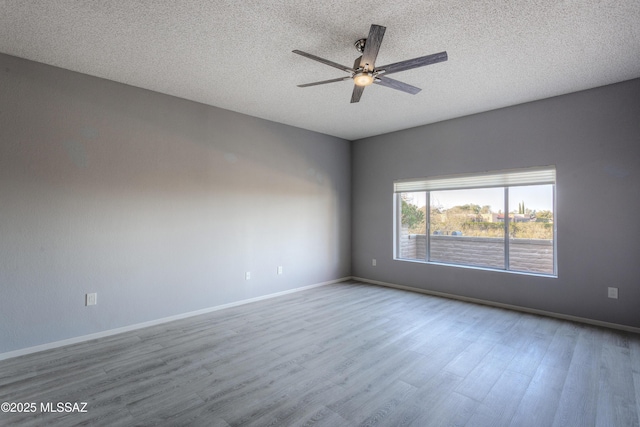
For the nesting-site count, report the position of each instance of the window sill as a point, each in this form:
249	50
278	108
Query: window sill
474	267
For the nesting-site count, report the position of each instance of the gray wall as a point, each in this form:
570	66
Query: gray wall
156	203
593	138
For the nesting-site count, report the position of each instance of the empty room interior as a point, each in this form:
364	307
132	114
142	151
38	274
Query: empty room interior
227	214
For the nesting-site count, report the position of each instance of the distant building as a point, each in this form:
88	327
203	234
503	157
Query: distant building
515	218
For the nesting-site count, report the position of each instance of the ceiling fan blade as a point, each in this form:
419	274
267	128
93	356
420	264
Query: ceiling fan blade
325	61
372	46
357	93
413	63
325	82
395	84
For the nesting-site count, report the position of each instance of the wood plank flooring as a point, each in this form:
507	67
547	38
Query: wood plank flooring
348	354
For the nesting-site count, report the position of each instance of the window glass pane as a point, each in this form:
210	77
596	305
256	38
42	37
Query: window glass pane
412	243
467	227
531	229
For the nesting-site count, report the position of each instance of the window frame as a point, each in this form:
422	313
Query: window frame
545	175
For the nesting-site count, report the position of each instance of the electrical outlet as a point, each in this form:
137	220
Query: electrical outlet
279	269
247	275
612	293
373	262
91	299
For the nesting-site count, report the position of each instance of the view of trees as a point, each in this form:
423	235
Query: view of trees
544	216
479	221
413	217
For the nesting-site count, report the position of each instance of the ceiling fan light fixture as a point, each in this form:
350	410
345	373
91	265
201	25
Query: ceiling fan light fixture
363	79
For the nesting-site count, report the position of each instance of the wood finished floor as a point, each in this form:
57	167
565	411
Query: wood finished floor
347	354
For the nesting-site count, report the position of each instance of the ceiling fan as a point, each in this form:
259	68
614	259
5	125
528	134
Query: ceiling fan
364	71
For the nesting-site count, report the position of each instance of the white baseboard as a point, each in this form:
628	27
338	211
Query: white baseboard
75	340
501	305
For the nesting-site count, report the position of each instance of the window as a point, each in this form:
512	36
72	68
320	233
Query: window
500	220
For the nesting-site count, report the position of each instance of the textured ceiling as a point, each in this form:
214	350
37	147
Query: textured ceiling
237	54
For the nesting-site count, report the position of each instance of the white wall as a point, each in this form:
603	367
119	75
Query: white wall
156	203
593	138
